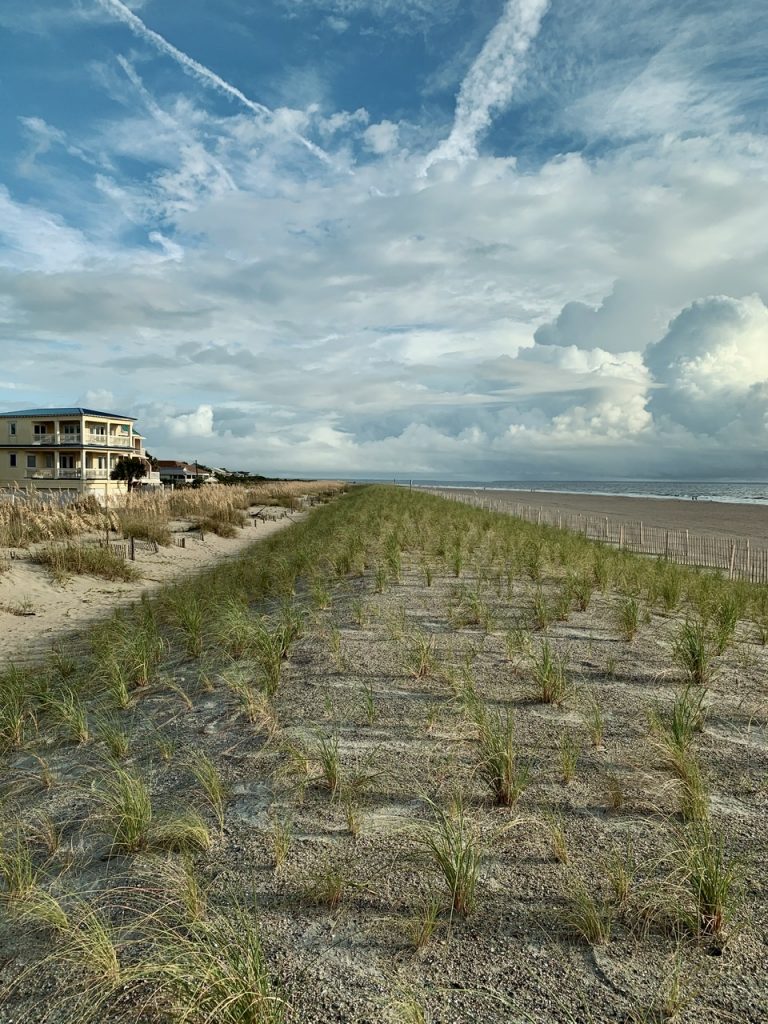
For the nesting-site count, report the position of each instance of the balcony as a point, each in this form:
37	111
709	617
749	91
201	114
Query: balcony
69	438
44	439
97	474
70	474
41	474
109	440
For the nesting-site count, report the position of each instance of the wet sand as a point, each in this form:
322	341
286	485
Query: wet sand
721	519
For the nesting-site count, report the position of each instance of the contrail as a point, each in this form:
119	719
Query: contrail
195	68
160	115
490	82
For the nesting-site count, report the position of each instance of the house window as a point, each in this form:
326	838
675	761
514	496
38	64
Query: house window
12	428
39	429
100	429
12	457
67	461
31	462
68	429
49	461
101	462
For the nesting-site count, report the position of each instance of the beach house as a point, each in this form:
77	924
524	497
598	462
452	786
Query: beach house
172	471
68	451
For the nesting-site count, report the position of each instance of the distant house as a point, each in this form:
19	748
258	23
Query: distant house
174	472
68	450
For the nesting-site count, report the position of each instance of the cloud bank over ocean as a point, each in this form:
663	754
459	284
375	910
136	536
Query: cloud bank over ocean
371	236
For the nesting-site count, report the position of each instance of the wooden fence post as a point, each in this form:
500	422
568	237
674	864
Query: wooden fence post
666	547
133	549
732	566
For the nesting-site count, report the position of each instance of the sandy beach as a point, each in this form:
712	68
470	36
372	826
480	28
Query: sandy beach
722	519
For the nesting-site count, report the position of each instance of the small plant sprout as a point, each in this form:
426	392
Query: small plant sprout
326	754
210	781
557	838
620	870
126	811
424	922
17	871
614	793
692	652
420	657
589	916
281	837
569	756
707	879
42	909
217	971
542	612
725	620
111	731
408	1008
352	816
594	720
498	766
549	671
628	616
327	885
369	705
454	850
677	725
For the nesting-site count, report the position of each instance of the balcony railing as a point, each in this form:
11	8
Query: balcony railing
69	438
97	474
109	440
44	439
41	474
70	474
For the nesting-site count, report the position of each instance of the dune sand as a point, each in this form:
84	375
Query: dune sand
36	612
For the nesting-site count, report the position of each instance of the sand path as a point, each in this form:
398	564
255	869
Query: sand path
59	610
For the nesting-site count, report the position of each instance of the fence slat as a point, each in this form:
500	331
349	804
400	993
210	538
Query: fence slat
733	555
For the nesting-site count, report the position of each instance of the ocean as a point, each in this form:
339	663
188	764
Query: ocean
749	493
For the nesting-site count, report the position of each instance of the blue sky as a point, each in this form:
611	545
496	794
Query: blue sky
432	238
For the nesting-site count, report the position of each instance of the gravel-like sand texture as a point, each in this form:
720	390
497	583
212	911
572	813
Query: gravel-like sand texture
408	743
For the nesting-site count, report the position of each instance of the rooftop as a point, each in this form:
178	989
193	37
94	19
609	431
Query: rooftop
66	411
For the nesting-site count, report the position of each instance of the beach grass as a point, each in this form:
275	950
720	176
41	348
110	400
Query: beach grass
403	744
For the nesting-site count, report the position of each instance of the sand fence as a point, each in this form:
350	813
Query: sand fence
734	556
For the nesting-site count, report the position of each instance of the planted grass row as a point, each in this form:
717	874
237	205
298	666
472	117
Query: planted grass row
271	595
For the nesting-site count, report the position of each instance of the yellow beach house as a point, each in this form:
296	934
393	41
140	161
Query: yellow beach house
67	451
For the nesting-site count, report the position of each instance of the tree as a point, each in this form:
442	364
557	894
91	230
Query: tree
129	469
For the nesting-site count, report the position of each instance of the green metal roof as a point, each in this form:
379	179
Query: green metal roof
66	412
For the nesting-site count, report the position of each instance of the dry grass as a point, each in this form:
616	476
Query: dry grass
26	519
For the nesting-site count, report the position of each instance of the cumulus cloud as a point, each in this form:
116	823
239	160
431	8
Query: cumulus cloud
195	424
712	368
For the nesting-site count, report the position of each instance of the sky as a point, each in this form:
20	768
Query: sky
440	239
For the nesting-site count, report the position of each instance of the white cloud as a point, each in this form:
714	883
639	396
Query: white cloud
712	368
497	317
195	424
490	82
381	138
196	69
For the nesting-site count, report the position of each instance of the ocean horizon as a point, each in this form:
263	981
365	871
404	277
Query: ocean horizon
738	492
